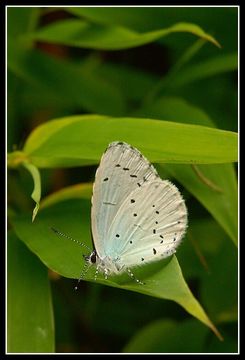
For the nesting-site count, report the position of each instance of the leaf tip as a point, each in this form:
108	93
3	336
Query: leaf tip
217	333
34	213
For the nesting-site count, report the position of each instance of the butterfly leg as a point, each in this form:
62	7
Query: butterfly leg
84	270
96	274
106	274
134	278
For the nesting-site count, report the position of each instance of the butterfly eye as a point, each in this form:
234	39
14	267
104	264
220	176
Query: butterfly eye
93	258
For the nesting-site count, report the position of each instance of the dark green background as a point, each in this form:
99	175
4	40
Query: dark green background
175	78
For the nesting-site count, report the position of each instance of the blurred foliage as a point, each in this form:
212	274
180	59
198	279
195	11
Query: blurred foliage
165	80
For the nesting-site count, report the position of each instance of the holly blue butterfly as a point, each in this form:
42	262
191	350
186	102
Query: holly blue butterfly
136	217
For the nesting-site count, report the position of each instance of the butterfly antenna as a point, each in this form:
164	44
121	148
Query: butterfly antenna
84	271
70	238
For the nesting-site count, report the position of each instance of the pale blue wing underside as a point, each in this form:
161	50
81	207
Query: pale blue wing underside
148	226
122	170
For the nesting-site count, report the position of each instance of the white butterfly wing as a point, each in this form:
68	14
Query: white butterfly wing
148	226
122	170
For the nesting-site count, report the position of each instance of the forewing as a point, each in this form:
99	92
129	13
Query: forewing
122	170
149	224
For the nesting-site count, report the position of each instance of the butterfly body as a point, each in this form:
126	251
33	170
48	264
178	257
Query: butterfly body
109	265
136	217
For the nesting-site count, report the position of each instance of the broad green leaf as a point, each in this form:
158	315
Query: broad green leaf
163	279
112	16
210	67
83	191
21	20
137	85
189	336
222	205
180	74
222	279
197	256
30	324
153	17
80	140
63	84
175	109
194	254
206	242
36	194
132	82
168	336
144	19
89	35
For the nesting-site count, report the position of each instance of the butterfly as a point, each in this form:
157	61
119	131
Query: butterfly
136	217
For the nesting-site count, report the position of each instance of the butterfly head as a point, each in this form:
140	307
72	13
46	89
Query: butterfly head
92	258
106	265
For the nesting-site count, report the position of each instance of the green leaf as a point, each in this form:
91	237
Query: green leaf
222	205
152	18
195	253
210	67
220	281
111	15
63	84
206	242
80	140
131	81
163	279
180	74
173	108
36	194
77	191
21	20
204	179
167	336
30	324
105	37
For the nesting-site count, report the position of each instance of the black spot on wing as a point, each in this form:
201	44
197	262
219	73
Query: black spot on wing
154	251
